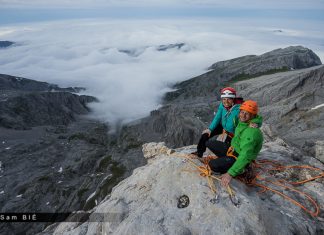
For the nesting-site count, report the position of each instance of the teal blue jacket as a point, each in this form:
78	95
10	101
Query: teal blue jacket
228	119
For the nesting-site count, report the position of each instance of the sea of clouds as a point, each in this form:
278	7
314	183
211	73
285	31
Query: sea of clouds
118	61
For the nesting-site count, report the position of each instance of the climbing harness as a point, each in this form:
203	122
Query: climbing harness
230	153
225	134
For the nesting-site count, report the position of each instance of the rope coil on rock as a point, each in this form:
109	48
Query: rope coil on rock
205	171
261	167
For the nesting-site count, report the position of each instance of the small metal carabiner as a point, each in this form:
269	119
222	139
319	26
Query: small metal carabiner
215	200
235	200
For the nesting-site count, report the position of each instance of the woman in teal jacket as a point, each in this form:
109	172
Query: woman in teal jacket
227	117
224	121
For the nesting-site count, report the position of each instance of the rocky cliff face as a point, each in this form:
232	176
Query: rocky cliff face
147	202
241	68
296	57
25	103
43	108
52	158
19	85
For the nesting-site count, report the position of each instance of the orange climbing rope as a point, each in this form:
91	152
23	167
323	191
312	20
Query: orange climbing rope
263	169
230	153
205	171
206	160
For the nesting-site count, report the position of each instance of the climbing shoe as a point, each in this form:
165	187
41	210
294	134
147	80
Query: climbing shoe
196	154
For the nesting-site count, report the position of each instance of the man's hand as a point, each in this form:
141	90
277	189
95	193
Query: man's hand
226	179
207	131
253	125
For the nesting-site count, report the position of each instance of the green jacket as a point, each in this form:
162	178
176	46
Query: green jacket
247	142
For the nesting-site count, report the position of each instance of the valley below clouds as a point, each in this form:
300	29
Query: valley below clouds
130	64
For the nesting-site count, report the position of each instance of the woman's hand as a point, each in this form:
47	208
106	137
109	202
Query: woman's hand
253	125
207	131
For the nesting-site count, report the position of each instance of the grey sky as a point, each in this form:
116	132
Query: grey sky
261	4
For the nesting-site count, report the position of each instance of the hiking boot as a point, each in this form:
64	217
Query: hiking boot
197	154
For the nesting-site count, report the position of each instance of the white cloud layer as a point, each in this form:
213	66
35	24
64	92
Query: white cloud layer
263	4
90	54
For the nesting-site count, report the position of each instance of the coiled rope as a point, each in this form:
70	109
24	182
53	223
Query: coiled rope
261	171
205	171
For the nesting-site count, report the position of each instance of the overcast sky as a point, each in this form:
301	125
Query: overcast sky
13	11
275	4
84	44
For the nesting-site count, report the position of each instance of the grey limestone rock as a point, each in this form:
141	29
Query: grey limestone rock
146	203
319	150
12	83
293	57
222	72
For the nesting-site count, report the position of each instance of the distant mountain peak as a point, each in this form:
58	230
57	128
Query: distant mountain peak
4	44
170	46
134	52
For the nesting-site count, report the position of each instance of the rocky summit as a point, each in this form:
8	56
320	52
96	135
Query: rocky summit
148	201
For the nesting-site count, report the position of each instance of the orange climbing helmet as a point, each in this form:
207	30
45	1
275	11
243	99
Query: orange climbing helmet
250	106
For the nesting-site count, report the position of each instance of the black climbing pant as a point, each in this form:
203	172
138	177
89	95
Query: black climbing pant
223	162
217	147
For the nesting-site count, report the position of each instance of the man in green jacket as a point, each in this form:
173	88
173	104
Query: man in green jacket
245	146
